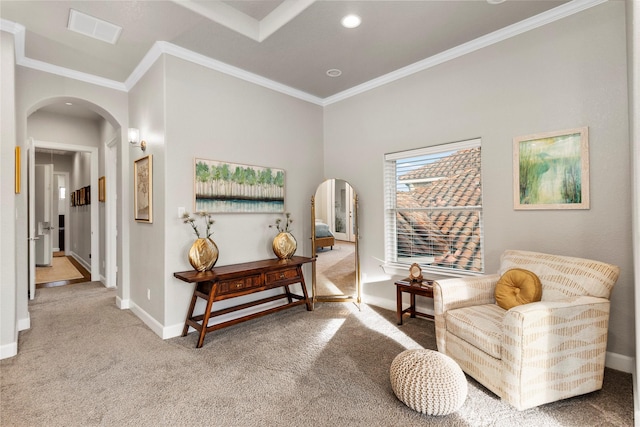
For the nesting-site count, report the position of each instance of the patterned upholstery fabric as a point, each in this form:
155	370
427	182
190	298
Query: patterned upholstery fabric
548	350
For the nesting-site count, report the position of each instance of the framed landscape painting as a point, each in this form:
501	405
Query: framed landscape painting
143	189
551	170
223	187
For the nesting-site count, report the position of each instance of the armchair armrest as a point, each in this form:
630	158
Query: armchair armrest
567	338
463	292
457	293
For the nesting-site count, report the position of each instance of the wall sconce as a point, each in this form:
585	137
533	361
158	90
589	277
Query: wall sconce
134	139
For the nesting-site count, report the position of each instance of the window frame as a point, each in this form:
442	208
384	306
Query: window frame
391	264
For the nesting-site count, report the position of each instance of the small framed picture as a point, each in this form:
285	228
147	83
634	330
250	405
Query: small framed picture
101	189
143	189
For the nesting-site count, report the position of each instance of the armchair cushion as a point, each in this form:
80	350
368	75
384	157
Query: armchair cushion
480	325
516	287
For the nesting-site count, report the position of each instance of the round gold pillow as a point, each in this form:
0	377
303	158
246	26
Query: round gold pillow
517	287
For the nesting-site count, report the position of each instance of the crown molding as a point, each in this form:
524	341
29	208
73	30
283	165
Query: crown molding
529	24
244	24
10	26
159	48
225	15
280	16
18	32
19	45
143	66
72	74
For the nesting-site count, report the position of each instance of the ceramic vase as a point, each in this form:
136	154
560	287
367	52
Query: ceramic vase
203	254
284	245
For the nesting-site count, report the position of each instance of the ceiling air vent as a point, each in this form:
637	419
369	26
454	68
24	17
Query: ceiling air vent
93	27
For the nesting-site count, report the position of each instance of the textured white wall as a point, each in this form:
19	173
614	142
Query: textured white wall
147	241
564	75
214	116
8	142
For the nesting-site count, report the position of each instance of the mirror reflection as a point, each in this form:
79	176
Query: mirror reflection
334	234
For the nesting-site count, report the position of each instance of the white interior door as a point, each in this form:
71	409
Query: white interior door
42	214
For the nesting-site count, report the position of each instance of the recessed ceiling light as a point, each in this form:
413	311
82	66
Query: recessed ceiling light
351	21
495	1
334	72
68	103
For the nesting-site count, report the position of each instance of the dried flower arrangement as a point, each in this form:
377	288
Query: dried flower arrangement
188	219
283	228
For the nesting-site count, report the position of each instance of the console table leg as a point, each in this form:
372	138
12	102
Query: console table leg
304	289
207	314
288	292
194	298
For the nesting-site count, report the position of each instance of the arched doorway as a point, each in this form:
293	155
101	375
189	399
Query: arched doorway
103	151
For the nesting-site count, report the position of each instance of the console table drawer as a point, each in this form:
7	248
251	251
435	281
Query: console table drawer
276	276
235	285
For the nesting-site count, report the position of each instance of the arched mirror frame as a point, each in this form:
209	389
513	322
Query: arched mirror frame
357	298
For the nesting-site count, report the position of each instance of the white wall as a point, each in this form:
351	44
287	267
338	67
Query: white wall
633	44
214	116
8	301
60	128
185	111
564	75
80	216
107	134
147	104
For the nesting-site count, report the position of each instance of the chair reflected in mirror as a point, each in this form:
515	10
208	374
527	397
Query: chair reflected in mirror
334	222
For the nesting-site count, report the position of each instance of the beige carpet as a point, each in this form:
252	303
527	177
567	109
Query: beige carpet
61	269
335	270
84	362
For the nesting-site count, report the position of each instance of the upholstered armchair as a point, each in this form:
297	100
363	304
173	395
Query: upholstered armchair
537	352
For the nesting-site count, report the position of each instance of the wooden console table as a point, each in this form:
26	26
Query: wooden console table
231	281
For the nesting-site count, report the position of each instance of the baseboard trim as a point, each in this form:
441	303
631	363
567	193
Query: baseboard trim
173	331
24	324
148	320
8	350
122	304
81	261
619	362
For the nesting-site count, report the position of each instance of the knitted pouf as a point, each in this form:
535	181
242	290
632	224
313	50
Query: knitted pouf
428	382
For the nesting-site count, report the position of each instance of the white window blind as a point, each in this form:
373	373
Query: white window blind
433	207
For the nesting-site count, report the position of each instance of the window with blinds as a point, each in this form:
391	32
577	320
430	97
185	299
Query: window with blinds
433	208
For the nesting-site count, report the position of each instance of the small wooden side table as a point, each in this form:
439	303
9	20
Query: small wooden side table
424	288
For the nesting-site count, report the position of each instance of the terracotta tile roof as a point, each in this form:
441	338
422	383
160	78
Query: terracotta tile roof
454	164
453	237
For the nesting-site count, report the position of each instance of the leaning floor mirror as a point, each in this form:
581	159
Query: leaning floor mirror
334	235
